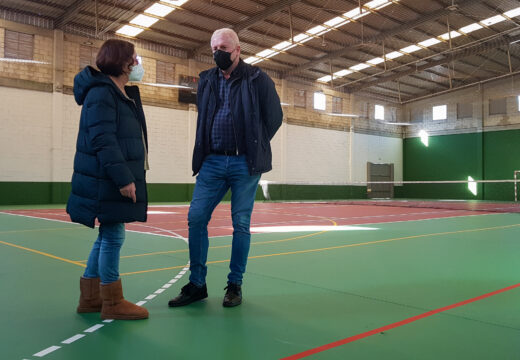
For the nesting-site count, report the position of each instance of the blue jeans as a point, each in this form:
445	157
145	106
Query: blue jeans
103	260
218	174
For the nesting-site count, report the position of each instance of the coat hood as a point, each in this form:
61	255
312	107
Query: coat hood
86	79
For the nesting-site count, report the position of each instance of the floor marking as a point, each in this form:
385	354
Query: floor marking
44	254
166	286
93	328
140	303
47	351
150	297
72	339
394	325
158	291
108	320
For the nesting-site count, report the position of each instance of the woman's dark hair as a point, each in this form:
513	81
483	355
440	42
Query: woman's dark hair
114	56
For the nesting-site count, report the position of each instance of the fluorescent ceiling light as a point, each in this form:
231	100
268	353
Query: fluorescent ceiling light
359	67
493	20
376	61
143	20
282	45
410	49
326	78
159	10
250	59
453	34
394	55
513	13
470	28
336	22
342	73
342	115
129	30
429	42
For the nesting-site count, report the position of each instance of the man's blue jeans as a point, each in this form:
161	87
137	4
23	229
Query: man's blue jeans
218	174
103	260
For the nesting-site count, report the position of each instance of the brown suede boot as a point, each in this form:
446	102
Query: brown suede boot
89	299
116	307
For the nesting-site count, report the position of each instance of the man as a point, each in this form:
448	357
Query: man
239	112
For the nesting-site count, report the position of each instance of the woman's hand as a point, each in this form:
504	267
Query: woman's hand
129	191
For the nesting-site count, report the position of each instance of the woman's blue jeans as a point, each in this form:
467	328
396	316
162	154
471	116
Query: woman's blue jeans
103	260
218	174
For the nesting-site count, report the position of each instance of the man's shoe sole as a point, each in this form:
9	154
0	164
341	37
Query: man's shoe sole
226	304
171	304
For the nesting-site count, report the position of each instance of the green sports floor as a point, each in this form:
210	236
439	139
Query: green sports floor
324	281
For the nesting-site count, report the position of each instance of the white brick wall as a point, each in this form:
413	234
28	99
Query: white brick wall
299	153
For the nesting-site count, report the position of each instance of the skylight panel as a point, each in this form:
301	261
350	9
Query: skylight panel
375	3
513	13
300	37
353	14
159	10
493	20
325	78
359	67
470	28
129	30
317	30
265	53
175	2
251	59
336	22
452	34
342	73
376	61
282	45
410	49
143	20
394	55
429	42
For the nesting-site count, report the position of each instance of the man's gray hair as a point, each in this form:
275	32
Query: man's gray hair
229	33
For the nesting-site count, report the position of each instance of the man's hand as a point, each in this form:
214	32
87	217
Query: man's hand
129	191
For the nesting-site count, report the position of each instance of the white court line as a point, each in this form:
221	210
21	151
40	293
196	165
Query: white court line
72	339
47	351
140	303
93	328
158	291
150	297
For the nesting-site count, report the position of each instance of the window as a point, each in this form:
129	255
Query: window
379	112
440	112
464	110
165	72
300	98
18	45
498	106
320	100
337	105
87	56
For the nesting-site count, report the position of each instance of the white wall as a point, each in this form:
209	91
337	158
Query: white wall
39	129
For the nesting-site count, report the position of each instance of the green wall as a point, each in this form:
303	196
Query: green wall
483	156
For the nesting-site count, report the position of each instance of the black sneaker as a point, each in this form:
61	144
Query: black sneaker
233	295
189	293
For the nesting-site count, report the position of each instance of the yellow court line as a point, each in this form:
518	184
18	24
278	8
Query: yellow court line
219	247
43	253
339	247
35	230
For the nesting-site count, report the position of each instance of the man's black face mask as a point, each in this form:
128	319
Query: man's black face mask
223	59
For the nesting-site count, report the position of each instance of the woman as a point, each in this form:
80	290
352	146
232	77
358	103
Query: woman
108	182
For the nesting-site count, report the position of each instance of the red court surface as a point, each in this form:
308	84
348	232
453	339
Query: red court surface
171	220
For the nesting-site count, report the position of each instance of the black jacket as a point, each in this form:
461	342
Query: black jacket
256	111
109	152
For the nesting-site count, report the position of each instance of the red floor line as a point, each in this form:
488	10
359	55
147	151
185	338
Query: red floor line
394	325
